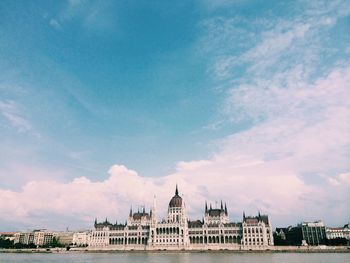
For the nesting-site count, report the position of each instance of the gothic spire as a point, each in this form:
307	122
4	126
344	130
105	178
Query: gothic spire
130	214
225	209
221	206
176	191
210	207
206	207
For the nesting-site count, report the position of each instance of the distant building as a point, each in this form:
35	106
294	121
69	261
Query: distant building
347	231
8	235
291	236
64	238
81	238
306	233
314	233
143	231
24	238
338	232
37	237
42	237
257	231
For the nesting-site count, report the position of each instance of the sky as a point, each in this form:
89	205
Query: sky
104	104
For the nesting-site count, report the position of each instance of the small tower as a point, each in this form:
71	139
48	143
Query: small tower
154	212
176	208
216	215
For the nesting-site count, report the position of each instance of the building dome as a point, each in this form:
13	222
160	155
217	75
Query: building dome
176	201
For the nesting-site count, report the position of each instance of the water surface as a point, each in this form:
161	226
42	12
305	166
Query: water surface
177	257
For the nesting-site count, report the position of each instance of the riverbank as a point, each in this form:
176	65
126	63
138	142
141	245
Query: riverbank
276	249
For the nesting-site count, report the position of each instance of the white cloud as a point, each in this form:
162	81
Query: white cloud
342	179
55	24
193	165
298	103
83	199
12	113
96	16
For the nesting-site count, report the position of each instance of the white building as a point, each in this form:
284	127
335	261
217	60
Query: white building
338	232
37	237
257	231
143	231
81	238
42	237
64	238
25	238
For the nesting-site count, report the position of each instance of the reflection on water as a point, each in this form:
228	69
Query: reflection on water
173	257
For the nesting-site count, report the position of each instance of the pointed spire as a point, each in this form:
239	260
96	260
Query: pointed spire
143	210
221	206
130	214
106	220
154	202
176	191
210	207
95	222
259	214
243	215
225	209
206	207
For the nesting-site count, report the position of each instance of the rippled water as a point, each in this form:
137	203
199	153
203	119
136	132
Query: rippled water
178	257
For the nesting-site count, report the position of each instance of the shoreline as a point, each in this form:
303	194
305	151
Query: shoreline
247	251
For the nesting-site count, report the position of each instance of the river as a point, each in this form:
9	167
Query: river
172	257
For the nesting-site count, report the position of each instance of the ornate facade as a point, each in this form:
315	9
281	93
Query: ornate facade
143	231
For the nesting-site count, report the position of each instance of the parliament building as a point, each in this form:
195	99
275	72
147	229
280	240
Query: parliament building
143	231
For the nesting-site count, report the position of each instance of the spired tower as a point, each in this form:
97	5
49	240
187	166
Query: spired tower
153	226
171	233
216	215
176	209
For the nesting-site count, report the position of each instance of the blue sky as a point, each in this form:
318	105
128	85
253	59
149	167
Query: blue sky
179	91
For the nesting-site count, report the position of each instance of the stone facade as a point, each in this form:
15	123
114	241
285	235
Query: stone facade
81	238
338	232
64	238
37	237
257	231
143	231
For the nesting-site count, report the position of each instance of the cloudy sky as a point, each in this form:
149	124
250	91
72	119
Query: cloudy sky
104	104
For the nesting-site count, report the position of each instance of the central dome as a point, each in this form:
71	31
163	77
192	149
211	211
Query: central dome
176	201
